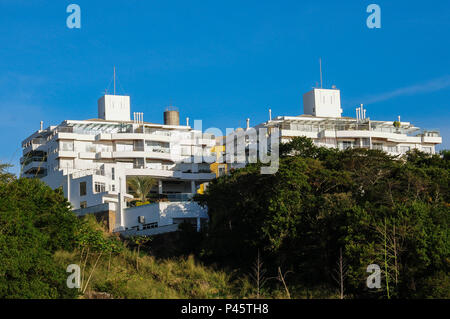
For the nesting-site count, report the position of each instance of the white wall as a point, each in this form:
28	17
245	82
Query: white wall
114	108
322	103
163	213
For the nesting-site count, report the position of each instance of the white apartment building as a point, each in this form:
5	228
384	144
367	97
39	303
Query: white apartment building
323	123
92	159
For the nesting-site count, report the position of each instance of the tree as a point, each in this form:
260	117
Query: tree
139	241
323	199
5	176
93	243
258	275
35	221
141	186
340	273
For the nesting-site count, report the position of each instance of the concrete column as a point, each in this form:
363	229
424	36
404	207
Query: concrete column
68	186
198	224
120	205
193	188
160	187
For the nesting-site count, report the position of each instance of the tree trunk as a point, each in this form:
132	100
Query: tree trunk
385	259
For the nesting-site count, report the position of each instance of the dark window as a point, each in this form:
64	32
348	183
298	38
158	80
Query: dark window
150	226
82	188
99	187
221	170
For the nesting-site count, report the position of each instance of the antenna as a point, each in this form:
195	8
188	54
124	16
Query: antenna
114	80
320	63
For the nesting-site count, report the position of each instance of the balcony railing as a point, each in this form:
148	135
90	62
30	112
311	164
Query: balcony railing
38	159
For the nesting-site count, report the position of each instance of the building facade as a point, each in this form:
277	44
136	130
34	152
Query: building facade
323	123
91	160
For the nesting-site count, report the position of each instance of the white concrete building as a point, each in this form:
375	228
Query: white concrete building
92	159
323	123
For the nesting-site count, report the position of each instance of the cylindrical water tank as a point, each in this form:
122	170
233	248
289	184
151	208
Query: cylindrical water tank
171	116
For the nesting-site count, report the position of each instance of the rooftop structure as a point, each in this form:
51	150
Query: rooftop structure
323	123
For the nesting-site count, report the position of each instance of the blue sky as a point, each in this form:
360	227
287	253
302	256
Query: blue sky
220	61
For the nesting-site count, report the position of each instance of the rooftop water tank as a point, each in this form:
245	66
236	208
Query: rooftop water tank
171	116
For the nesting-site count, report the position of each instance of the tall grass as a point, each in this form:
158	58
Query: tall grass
166	278
117	276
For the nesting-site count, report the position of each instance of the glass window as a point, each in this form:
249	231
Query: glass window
392	149
221	170
404	149
346	144
99	187
82	188
66	146
378	146
124	147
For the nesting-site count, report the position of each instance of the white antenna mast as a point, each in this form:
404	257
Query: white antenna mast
114	80
320	63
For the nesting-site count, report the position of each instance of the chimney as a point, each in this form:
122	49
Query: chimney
42	125
187	121
248	124
270	114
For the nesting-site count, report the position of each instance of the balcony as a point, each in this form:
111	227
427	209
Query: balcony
69	154
127	154
36	165
34	144
432	139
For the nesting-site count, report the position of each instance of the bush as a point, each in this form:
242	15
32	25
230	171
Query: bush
35	221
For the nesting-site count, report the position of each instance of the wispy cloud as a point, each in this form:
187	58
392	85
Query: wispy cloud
425	87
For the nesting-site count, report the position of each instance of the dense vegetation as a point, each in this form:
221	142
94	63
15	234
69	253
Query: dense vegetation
324	206
34	223
308	231
40	237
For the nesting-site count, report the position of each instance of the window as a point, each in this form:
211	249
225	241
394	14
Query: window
113	187
150	226
427	150
378	146
83	204
82	188
122	147
67	146
404	149
221	170
346	144
99	187
392	149
113	174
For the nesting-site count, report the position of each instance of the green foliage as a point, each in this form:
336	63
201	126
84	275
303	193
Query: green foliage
5	176
321	200
158	278
35	221
141	186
